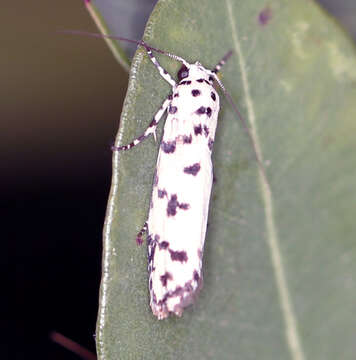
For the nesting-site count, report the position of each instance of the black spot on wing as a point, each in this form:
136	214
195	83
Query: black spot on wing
188	287
161	193
187	139
151	251
154	297
195	92
172	109
200	254
183	206
176	95
193	169
206	131
168	147
173	204
200	80
208	111
164	278
180	256
197	130
177	291
163	245
196	276
213	96
185	82
210	144
201	110
155	178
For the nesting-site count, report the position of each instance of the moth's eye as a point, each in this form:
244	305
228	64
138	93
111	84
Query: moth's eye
183	73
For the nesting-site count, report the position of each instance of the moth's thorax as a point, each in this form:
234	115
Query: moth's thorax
197	71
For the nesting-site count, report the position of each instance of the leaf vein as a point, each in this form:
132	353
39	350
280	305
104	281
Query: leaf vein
292	335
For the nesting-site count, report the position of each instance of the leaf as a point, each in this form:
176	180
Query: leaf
125	18
279	260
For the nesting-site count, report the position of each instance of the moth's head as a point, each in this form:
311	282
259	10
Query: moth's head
193	72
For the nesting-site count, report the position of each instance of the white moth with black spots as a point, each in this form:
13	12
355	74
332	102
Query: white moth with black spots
178	214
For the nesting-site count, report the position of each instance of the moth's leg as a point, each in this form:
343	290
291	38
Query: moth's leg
139	240
161	70
150	130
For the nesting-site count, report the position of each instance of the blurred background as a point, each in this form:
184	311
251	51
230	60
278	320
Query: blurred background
61	99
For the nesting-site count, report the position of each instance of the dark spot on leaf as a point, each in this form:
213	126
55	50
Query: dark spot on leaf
265	16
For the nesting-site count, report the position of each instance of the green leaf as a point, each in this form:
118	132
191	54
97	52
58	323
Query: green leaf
117	51
123	18
280	257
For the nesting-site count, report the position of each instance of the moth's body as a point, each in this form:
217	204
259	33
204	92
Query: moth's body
180	199
178	215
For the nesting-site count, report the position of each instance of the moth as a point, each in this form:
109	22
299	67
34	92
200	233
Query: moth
177	219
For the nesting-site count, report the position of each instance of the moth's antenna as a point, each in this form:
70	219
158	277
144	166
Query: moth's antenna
142	43
242	119
222	62
87	33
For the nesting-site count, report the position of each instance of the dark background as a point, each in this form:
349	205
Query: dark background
61	100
